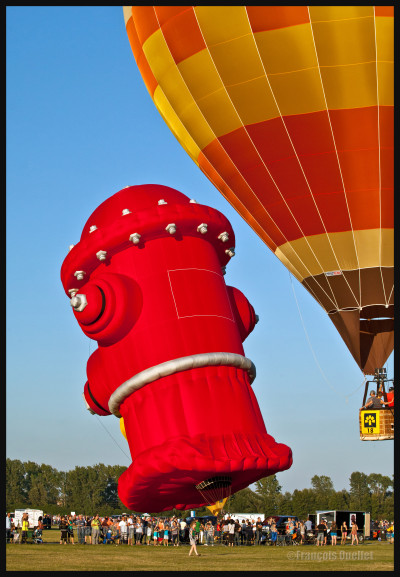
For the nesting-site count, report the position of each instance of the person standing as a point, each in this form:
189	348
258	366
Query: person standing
192	539
174	533
131	530
320	533
149	530
115	531
95	530
243	532
64	530
217	530
80	524
231	532
325	533
88	530
25	527
155	534
8	527
302	530
70	532
333	533
210	534
182	525
258	531
344	531
123	529
139	530
238	530
274	534
354	535
161	527
166	534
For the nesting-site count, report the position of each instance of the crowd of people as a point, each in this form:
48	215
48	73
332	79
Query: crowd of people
146	530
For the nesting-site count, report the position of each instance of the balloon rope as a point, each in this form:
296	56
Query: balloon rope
108	432
103	425
314	355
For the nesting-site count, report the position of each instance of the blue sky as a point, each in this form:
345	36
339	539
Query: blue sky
81	126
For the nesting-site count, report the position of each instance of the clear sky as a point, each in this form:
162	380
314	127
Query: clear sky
81	126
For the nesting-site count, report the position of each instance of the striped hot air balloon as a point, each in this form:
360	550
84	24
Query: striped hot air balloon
288	110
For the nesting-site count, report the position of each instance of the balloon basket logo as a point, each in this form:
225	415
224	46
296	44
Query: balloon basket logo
370	422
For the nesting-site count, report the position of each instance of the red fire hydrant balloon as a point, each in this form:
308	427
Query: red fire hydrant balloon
146	282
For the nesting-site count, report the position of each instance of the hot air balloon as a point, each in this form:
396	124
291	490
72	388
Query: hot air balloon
146	282
288	110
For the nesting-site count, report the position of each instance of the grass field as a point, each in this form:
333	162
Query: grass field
51	556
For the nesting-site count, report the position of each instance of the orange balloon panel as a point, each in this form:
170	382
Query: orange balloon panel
288	110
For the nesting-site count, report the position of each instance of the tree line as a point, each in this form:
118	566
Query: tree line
94	489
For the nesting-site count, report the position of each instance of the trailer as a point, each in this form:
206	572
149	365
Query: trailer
361	518
33	516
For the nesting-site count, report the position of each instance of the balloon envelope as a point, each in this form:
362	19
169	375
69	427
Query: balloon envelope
288	110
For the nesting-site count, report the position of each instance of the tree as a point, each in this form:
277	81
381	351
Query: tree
339	500
285	504
16	494
244	501
360	499
268	490
379	488
323	489
303	503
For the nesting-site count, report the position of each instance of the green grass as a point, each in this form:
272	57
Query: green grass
371	556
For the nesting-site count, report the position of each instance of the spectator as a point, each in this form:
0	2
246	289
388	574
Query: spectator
274	534
155	535
209	530
231	532
88	531
258	531
115	531
139	530
325	532
166	534
149	530
333	533
25	527
320	535
80	523
95	530
343	530
302	531
192	539
201	532
182	525
238	530
161	529
70	531
249	533
8	527
123	530
131	530
308	525
224	529
354	535
174	533
64	530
